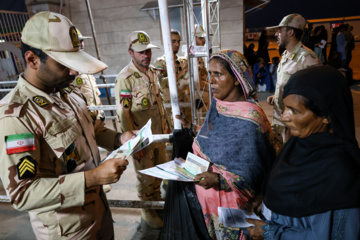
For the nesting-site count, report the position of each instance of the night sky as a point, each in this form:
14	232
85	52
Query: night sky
272	13
13	5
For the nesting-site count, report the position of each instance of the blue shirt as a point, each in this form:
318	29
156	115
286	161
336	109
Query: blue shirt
337	224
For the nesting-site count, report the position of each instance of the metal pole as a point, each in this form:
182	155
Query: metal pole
117	203
205	15
99	56
194	76
190	38
170	65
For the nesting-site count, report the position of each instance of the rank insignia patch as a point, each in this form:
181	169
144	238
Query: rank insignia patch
18	143
92	115
68	90
79	81
126	103
40	101
26	168
137	75
145	102
292	56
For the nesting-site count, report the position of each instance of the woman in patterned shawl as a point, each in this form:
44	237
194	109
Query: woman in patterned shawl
237	139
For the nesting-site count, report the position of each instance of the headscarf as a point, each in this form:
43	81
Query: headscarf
240	68
321	172
239	130
329	89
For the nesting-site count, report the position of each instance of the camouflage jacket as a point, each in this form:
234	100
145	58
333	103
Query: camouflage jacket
136	101
86	84
299	58
48	141
182	78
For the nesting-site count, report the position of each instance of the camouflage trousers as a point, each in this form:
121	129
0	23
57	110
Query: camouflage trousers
281	135
148	187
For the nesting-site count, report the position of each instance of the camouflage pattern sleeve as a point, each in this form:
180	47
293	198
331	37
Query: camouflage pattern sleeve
80	83
311	60
28	186
104	136
123	97
162	79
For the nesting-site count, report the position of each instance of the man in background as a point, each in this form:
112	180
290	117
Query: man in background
203	74
86	84
293	59
137	100
182	76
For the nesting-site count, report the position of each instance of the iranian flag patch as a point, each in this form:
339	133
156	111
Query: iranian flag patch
125	93
19	143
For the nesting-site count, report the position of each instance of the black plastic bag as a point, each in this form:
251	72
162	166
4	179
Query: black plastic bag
183	217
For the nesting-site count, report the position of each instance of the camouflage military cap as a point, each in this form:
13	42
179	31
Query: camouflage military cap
55	35
199	31
292	20
139	41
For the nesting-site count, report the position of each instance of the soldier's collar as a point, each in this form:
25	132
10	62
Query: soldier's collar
31	91
295	50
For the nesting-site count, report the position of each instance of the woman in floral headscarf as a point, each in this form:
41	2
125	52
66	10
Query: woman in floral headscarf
236	139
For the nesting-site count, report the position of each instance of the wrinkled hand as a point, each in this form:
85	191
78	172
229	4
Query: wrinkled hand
184	122
253	205
207	179
106	173
271	99
256	231
126	136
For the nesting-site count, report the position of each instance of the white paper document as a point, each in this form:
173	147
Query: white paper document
143	138
177	170
235	218
322	43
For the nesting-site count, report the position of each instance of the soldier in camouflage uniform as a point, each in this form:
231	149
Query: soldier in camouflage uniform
203	74
182	76
49	156
138	99
86	84
294	58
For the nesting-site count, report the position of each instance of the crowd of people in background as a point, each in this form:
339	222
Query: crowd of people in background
341	46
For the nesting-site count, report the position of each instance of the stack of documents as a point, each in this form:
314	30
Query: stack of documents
143	139
235	218
178	170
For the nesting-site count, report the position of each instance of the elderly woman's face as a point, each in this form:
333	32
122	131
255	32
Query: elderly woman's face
223	85
301	121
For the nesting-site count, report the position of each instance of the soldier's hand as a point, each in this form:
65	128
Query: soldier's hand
106	173
184	122
126	136
139	155
270	100
182	83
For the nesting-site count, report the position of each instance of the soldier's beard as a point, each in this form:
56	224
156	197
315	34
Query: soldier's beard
141	62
